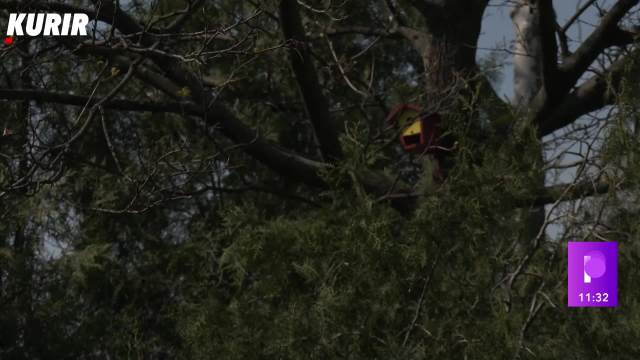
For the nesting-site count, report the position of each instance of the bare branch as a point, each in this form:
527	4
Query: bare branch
592	95
575	65
183	108
577	15
549	45
362	30
569	192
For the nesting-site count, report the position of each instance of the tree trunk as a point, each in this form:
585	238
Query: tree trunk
448	51
527	54
528	81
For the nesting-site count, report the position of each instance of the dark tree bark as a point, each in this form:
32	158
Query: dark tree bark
447	47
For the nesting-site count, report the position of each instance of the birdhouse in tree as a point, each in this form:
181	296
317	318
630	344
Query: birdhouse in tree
419	131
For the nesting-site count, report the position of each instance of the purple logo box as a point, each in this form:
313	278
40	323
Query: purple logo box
593	274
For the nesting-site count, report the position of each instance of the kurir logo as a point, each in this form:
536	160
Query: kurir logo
34	24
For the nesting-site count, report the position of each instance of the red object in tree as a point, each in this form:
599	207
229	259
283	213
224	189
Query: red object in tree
420	132
8	40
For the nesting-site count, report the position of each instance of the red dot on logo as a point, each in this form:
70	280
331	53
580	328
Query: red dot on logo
8	40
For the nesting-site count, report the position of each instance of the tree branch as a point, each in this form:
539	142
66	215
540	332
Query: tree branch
601	38
549	45
306	76
182	108
362	30
593	94
282	161
564	107
570	192
577	15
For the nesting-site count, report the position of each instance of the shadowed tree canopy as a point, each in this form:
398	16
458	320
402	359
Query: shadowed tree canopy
216	179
